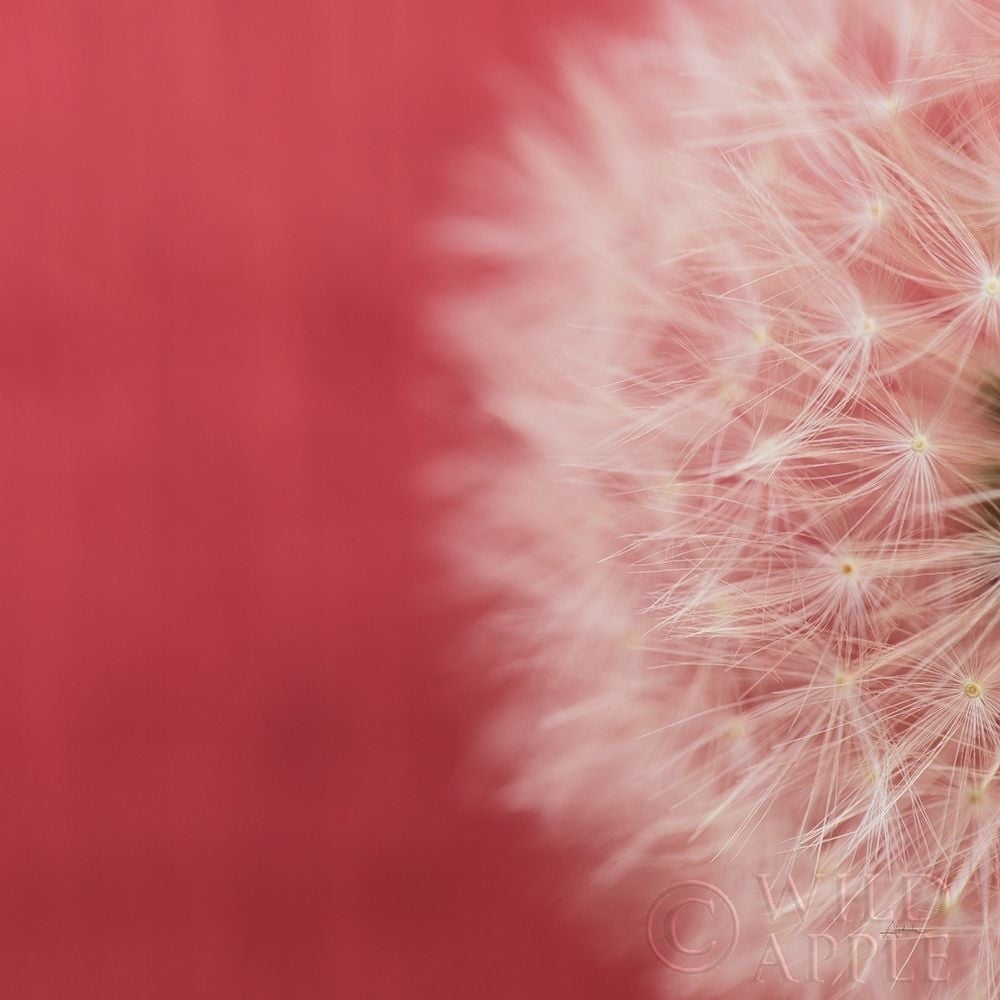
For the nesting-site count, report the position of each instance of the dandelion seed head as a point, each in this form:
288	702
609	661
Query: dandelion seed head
738	328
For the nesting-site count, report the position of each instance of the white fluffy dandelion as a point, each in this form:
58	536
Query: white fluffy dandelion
742	326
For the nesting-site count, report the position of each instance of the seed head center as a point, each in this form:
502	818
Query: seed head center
867	327
973	689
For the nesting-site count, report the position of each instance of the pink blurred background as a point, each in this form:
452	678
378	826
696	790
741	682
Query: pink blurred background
229	748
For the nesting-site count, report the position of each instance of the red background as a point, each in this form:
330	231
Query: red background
228	751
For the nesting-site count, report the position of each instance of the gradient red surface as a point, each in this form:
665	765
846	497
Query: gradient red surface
227	756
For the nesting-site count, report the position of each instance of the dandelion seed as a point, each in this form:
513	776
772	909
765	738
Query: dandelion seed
867	327
973	690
